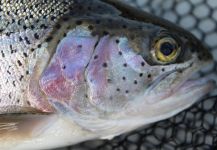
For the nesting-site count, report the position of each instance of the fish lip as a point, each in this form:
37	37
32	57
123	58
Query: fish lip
190	84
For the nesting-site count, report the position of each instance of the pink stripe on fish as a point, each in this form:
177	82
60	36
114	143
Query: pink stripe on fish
54	84
97	71
66	70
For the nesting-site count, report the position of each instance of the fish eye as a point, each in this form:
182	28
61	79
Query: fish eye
166	50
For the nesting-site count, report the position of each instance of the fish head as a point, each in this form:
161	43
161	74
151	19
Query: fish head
116	82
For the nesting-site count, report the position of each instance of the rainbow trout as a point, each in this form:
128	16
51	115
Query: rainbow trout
75	70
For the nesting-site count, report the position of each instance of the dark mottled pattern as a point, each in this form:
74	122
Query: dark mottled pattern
195	128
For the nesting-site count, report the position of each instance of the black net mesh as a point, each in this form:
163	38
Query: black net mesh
195	128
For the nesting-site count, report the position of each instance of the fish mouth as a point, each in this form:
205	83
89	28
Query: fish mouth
206	84
198	85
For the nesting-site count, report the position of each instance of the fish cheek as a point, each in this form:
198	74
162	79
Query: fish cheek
65	73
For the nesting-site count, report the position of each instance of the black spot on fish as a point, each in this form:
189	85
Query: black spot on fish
125	65
24	27
105	32
95	57
124	26
21	77
180	71
48	39
3	54
19	63
36	36
78	22
28	103
39	45
104	65
58	26
18	101
27	40
43	26
7	34
9	95
90	27
8	72
120	53
149	75
52	18
14	83
20	39
109	80
32	27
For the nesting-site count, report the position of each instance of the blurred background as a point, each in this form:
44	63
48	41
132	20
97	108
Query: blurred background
195	128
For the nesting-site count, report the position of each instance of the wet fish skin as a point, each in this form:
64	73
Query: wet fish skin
85	70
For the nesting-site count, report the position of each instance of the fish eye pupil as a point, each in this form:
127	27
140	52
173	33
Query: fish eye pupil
167	48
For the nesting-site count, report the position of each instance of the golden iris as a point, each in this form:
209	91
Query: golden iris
166	50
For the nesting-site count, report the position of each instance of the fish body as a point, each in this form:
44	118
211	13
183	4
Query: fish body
78	70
